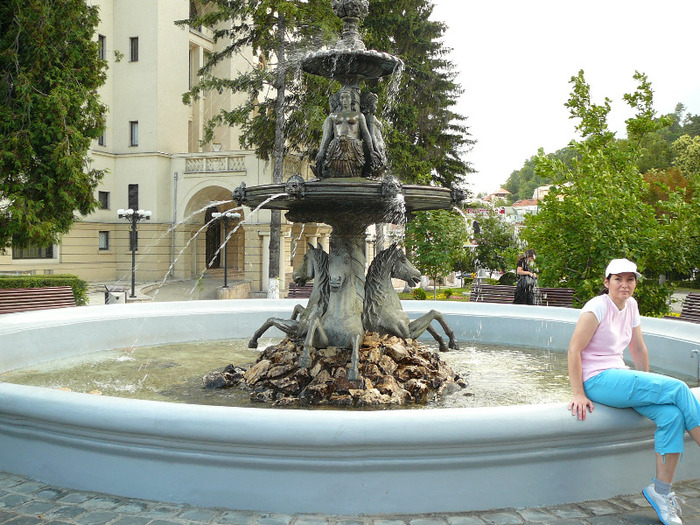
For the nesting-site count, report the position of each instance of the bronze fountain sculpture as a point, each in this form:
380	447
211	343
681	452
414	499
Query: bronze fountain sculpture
352	191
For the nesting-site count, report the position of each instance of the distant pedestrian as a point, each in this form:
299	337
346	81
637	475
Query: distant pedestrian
527	279
607	325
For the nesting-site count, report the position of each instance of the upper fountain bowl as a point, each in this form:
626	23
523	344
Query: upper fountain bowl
362	202
351	66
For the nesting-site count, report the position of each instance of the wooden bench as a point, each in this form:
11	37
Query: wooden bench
492	293
303	292
27	299
504	294
690	311
563	297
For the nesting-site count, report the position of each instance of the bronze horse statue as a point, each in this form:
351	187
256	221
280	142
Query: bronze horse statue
340	326
382	311
314	266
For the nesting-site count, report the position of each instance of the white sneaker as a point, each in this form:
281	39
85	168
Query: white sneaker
666	507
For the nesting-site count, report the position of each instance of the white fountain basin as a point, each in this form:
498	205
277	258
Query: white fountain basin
334	462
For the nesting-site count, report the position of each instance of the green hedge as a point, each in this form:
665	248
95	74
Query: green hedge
38	281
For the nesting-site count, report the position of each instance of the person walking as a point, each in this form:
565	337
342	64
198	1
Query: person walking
527	279
607	325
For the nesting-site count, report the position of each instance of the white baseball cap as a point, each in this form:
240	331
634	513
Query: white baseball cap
622	266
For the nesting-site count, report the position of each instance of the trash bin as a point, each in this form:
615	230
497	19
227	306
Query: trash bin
115	294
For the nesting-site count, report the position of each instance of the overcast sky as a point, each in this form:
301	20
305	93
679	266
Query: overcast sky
515	59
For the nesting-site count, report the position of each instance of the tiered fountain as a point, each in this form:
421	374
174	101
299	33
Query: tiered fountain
352	191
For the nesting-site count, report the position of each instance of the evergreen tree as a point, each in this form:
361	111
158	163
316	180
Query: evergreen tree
426	139
49	114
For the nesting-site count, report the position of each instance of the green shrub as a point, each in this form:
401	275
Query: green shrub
38	281
447	293
419	294
508	278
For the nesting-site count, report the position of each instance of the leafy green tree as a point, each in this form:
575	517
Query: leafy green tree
597	211
687	156
522	183
496	244
435	239
49	114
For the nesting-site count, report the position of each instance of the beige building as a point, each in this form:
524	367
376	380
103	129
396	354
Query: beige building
153	161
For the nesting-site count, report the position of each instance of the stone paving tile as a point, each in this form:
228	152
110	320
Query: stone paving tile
568	512
65	512
387	521
24	520
36	508
96	518
428	521
161	511
274	519
599	508
131	520
237	517
131	507
102	503
536	515
14	500
352	521
310	520
465	520
28	487
197	515
74	497
502	518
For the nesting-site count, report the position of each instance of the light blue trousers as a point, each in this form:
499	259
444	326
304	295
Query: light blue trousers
668	402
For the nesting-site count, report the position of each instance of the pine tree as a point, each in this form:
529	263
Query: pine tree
426	139
50	112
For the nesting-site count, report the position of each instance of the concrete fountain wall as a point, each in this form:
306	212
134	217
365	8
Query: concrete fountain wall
398	461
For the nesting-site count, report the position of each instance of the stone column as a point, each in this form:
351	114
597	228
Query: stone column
265	277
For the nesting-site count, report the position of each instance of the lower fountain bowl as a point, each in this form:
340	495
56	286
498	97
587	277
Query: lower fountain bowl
326	461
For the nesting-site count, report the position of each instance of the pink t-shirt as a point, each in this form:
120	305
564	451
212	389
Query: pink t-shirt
612	336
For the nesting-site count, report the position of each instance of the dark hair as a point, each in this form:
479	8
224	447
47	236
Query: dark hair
528	253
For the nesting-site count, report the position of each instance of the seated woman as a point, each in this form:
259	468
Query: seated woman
608	324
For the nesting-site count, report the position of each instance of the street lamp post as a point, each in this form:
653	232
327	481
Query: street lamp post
225	218
133	216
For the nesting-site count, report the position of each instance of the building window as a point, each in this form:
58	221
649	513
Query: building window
33	252
134	49
134	196
134	133
103	199
101	46
104	240
101	141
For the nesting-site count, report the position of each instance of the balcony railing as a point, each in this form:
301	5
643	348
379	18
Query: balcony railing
215	164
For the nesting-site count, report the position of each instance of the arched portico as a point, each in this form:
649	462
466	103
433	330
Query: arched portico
200	238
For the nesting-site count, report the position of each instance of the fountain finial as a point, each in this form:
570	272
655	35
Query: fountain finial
351	12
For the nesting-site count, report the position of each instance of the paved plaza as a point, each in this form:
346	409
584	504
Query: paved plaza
27	502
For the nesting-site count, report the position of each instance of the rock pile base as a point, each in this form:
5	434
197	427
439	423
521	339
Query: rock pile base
393	371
